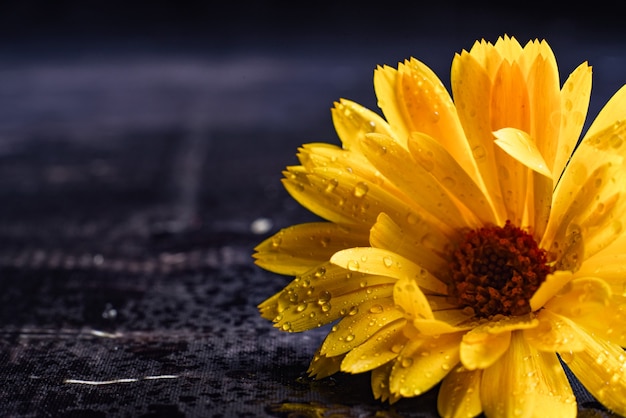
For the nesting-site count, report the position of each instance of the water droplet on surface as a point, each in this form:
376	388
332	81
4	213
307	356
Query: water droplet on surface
406	362
349	337
387	261
323	297
353	311
286	326
301	307
320	272
412	218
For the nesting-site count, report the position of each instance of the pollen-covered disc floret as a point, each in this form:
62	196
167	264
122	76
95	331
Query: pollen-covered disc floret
496	270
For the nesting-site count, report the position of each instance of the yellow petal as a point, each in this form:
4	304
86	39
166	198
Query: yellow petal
422	364
526	383
600	367
551	286
484	344
446	169
413	179
382	347
385	263
408	296
322	366
352	121
297	249
385	85
519	145
359	325
415	238
471	88
323	295
341	196
481	349
545	100
610	267
612	111
575	96
444	322
380	383
459	394
554	333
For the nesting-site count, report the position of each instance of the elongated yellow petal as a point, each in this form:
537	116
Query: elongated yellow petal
380	383
359	325
601	368
422	364
459	394
445	168
471	87
519	145
352	121
408	297
383	347
415	238
299	248
385	85
526	383
322	366
385	263
414	180
545	101
612	111
323	295
575	96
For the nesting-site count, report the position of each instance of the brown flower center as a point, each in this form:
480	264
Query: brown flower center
496	270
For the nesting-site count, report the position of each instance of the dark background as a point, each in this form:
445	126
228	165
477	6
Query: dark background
141	149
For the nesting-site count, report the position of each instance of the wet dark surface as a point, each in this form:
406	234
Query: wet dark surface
135	180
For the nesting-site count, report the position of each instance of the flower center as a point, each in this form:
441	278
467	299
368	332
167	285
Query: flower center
496	270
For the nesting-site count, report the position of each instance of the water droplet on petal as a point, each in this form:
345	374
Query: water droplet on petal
479	152
360	189
376	309
387	261
349	338
406	362
353	265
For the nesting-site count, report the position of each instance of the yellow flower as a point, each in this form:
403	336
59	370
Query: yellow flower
470	242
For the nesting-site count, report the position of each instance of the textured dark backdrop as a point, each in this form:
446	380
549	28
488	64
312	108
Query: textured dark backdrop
141	147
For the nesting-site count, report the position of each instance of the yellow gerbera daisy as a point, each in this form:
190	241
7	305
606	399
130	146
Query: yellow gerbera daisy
468	243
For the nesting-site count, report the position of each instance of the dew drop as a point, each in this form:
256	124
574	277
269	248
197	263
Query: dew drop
301	307
323	297
286	326
412	218
479	152
360	189
353	265
320	272
325	307
353	311
376	309
406	362
349	337
324	242
616	141
396	348
448	182
568	105
276	241
387	261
